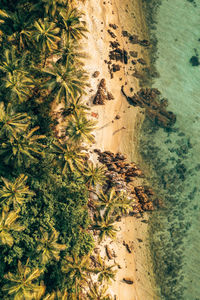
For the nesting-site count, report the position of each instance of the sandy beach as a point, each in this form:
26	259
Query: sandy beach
119	134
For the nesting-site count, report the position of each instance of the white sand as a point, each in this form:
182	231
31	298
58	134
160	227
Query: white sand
112	135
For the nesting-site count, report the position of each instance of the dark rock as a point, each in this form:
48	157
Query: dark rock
114	26
133	53
194	61
144	43
134	62
125	33
134	39
111	34
128	281
114	44
141	61
117	117
110	96
149	99
115	68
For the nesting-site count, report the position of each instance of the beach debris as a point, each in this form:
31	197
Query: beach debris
95	115
108	252
96	74
111	34
127	247
128	280
117	117
150	99
102	94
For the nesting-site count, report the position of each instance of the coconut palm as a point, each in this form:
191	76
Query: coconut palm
69	157
78	269
12	122
74	107
22	149
98	292
105	272
16	26
65	81
58	295
105	225
48	246
18	85
15	193
9	62
79	129
70	20
114	202
7	225
46	36
70	52
50	7
22	284
94	174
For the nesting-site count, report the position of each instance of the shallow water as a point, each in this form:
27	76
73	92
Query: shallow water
174	157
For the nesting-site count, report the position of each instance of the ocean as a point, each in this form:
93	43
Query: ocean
172	157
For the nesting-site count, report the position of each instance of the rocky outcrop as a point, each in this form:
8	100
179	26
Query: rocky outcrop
122	175
102	94
155	107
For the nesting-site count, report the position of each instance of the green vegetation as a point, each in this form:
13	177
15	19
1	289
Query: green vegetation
46	232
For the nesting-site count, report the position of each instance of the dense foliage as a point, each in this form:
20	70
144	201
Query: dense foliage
43	196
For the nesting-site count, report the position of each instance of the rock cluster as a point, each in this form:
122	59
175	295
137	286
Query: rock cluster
102	94
134	39
121	175
118	54
150	99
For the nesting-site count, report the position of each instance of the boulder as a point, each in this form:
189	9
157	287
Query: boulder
96	74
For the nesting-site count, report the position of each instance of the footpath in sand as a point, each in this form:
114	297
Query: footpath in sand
119	134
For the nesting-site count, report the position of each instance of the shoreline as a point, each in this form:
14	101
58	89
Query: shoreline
111	135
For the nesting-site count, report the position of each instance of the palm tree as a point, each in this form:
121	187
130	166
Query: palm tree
105	225
74	107
94	174
113	202
70	20
16	192
65	81
48	246
50	7
105	273
16	26
19	86
78	269
22	284
70	52
46	36
12	122
7	225
69	157
9	62
98	292
58	295
22	149
79	129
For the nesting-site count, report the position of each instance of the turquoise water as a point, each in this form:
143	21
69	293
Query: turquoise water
174	156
